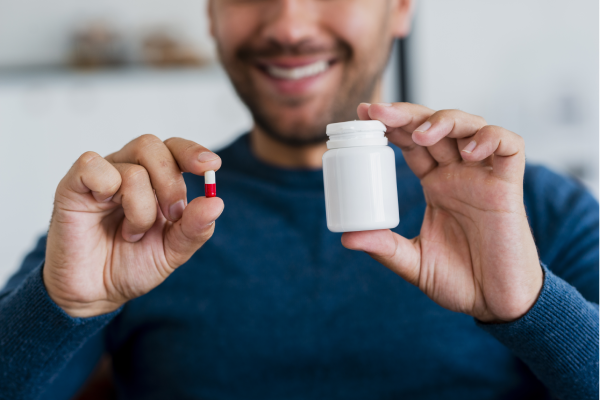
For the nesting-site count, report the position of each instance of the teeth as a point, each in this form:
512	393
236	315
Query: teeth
294	74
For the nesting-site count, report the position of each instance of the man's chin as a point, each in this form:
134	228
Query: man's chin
301	124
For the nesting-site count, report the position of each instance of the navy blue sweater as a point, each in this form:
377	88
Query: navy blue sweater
273	307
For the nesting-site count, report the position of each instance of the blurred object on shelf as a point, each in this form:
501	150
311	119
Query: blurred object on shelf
96	45
162	48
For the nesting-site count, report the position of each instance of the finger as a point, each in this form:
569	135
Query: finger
196	226
363	111
191	157
92	174
390	249
398	117
445	151
507	147
151	153
420	161
138	200
440	129
447	123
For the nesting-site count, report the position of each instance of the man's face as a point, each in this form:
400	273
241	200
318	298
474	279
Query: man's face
302	64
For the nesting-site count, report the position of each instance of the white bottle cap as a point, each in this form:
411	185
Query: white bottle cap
355	126
356	134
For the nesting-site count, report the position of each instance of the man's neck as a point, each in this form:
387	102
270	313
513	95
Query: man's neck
279	154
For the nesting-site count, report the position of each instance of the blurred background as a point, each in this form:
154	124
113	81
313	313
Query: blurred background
78	76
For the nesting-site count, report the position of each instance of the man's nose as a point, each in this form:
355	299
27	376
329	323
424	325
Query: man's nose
291	22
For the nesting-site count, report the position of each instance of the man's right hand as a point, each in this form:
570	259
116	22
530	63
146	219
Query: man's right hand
121	224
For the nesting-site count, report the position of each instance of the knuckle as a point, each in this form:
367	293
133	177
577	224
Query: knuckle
481	120
452	115
176	182
148	140
447	114
447	120
171	140
184	147
403	107
488	130
95	172
86	158
445	117
517	137
135	174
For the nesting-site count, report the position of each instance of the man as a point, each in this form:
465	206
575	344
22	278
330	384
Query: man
273	306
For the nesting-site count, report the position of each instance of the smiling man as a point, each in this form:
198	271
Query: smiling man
491	285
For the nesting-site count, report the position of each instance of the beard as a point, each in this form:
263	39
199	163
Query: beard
358	84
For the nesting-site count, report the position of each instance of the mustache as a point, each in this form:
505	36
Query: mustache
273	49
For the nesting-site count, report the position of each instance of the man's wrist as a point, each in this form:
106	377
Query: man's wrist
78	309
517	307
86	310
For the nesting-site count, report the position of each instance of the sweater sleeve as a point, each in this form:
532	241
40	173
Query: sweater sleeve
558	337
37	338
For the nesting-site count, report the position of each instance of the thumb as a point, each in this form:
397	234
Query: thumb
194	228
399	254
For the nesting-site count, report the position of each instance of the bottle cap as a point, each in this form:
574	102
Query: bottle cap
356	134
355	126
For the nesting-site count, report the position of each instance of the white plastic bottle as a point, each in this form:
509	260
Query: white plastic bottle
359	172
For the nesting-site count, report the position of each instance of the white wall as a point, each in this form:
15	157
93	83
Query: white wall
530	66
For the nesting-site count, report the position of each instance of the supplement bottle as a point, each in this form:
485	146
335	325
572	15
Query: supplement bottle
359	172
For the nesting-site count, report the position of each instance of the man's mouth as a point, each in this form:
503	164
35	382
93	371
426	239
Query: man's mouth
298	72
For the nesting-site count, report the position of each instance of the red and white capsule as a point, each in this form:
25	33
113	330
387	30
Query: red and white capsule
210	184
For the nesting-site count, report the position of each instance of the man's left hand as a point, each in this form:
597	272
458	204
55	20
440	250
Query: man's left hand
475	253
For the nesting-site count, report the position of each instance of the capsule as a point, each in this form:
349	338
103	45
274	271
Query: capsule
210	184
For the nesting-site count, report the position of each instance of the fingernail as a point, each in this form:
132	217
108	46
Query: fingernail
368	104
207	156
385	104
176	210
470	147
135	238
108	199
424	127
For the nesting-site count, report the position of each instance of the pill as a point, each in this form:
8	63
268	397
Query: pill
210	184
